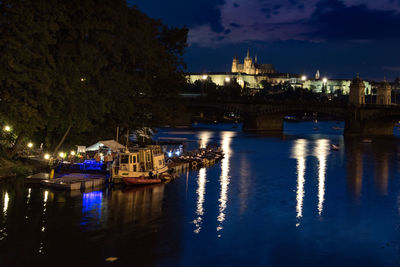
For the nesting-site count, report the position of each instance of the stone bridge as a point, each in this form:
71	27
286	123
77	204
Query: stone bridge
365	120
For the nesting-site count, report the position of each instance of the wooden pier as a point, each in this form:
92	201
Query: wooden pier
76	181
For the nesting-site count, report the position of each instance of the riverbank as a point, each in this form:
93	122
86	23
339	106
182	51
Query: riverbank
22	166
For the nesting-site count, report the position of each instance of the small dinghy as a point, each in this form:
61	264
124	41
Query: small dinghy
335	147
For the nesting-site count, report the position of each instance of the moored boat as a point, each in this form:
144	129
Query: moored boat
140	166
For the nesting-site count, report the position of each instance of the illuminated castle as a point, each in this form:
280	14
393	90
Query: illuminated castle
248	67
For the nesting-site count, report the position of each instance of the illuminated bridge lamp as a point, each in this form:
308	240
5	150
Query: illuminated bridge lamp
227	79
30	145
303	78
7	128
46	156
204	77
324	80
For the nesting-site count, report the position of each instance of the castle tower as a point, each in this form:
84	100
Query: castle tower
248	62
357	92
384	94
317	75
235	64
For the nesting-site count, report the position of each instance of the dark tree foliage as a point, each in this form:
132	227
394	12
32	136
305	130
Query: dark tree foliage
86	67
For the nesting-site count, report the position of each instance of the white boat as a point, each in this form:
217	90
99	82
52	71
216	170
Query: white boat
140	166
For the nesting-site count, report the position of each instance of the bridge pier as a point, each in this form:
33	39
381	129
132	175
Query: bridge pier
263	123
378	127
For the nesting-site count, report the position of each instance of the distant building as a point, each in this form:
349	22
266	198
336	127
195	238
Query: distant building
250	67
250	74
248	80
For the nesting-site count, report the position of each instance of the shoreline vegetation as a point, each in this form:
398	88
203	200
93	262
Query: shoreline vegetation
72	72
20	167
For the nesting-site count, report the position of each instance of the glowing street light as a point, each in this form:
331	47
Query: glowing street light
72	153
7	128
61	154
30	145
227	79
303	78
324	80
204	77
46	156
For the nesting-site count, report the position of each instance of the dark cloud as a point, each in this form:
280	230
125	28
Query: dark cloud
235	5
267	11
294	2
335	21
235	25
182	12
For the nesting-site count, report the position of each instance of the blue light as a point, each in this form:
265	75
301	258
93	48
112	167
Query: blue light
169	154
91	164
177	152
91	206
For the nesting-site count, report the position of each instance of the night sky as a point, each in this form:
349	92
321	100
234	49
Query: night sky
340	38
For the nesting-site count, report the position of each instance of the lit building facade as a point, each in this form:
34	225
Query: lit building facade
251	75
250	67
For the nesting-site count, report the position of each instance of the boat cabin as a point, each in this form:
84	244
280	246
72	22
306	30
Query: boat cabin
145	162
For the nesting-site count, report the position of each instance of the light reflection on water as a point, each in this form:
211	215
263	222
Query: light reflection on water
252	199
92	204
299	152
226	139
201	190
5	205
321	151
205	137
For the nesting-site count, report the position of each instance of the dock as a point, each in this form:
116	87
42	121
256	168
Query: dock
76	181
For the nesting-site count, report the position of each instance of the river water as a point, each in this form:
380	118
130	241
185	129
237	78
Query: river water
272	201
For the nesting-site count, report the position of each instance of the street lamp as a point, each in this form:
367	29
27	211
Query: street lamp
72	153
46	156
30	145
7	128
324	80
303	78
227	79
61	154
204	77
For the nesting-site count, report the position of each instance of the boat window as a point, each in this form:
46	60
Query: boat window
124	159
134	159
134	168
160	162
130	159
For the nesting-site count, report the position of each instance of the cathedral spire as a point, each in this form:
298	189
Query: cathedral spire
255	59
248	53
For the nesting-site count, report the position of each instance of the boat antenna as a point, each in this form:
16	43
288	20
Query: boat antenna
116	138
127	139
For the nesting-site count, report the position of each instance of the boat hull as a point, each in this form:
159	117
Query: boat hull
140	180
